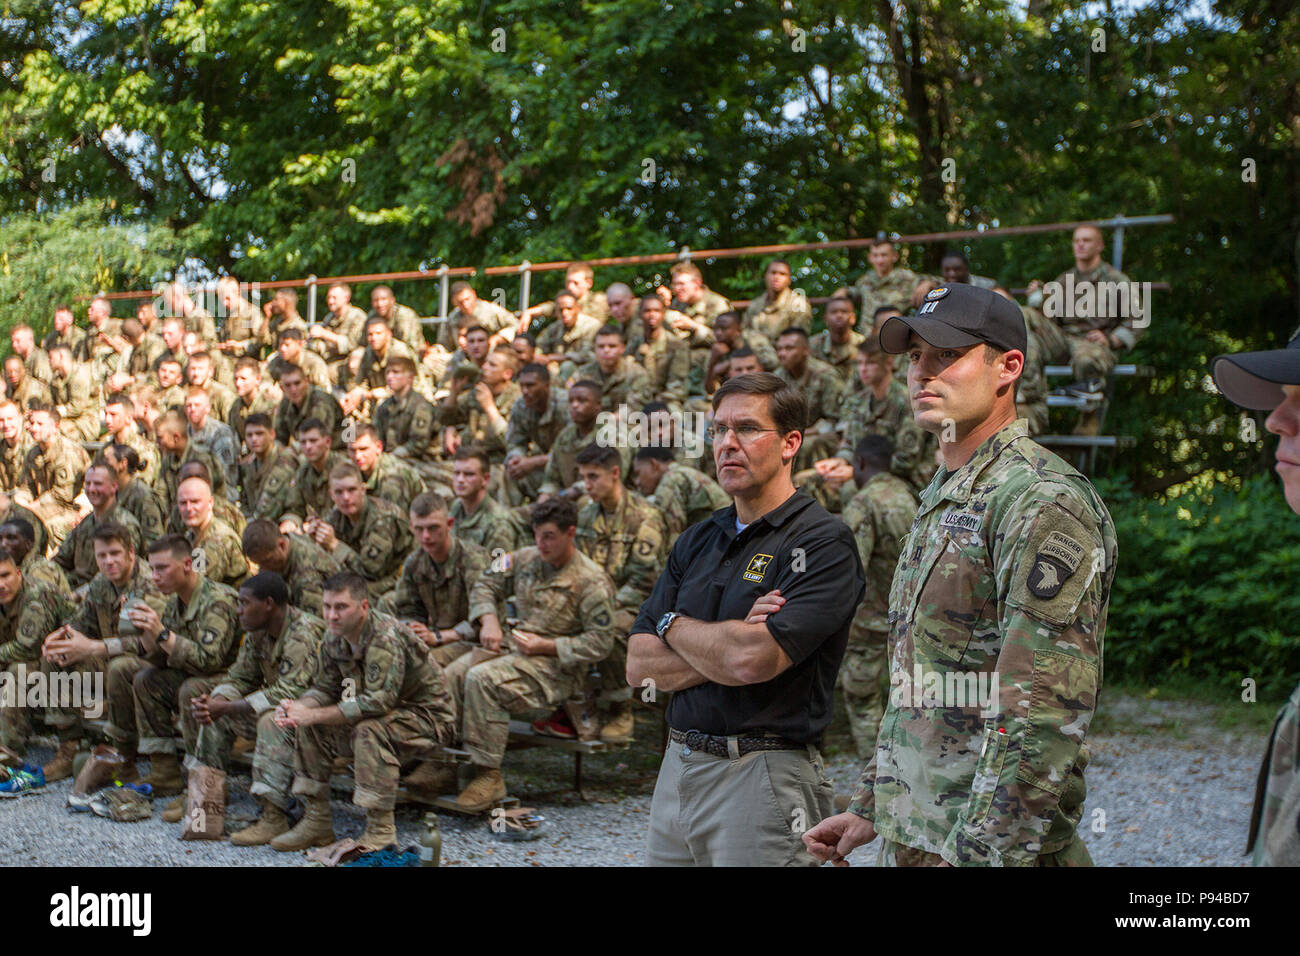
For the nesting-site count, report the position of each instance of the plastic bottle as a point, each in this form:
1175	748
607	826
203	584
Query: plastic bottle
431	841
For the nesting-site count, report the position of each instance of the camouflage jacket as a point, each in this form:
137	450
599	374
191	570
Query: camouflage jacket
686	495
577	341
487	314
220	442
1004	581
395	481
572	604
12	459
772	317
374	544
389	670
349	323
532	433
305	571
1084	303
628	385
667	363
562	461
309	492
312	365
76	555
894	289
861	414
28	619
266	398
75	399
1274	837
264	484
629	545
406	326
218	549
593	303
474	424
491	526
879	515
843	358
437	595
54	477
207	630
145	447
271	669
45	571
821	388
407	426
29	392
42	543
169	467
318	404
100	614
371	372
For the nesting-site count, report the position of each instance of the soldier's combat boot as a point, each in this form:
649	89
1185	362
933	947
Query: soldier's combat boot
316	828
60	768
619	728
174	809
581	712
487	787
432	778
266	828
380	830
165	775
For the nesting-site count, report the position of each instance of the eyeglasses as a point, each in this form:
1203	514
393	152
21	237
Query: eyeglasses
745	434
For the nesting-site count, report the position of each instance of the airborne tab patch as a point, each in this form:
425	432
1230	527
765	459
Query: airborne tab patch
1057	559
757	568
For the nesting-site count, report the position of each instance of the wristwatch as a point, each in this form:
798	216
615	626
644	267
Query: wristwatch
665	622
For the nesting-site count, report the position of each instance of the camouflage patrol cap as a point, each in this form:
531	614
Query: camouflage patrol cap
1255	379
955	316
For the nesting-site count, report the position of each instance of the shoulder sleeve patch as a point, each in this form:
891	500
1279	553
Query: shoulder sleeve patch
1054	566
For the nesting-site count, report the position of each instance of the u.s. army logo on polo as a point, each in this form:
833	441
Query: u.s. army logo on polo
1055	562
757	567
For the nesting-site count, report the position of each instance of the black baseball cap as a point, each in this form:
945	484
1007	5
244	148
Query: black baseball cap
954	316
1254	379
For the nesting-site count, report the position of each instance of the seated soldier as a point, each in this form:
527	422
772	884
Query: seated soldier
340	331
665	355
298	560
368	386
277	662
291	350
222	507
625	535
564	601
402	319
887	283
267	472
171	384
76	556
820	387
52	475
386	477
368	536
561	474
695	301
579	282
29	611
253	396
728	335
623	383
35	359
99	637
309	492
75	396
202	371
684	495
568	342
779	307
121	428
378	695
22	388
478	518
186	650
15	442
64	329
471	310
685	433
524	345
19	536
837	345
463	367
12	512
477	415
216	550
134	495
178	451
302	402
623	306
534	422
405	421
206	431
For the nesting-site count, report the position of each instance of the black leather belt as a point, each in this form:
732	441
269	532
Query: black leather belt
718	746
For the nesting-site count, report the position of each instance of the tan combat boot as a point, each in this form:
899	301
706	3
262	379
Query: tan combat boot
165	775
174	809
432	778
380	830
581	712
487	787
266	828
60	768
316	828
620	727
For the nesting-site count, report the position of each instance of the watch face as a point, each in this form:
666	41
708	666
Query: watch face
665	621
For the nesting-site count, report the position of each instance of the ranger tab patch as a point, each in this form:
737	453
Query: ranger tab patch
1054	564
757	568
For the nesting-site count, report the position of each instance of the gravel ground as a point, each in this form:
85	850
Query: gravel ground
1166	787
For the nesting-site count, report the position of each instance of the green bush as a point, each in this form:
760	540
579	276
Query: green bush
1207	588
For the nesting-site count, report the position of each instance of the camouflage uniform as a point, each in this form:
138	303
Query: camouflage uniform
894	289
30	392
71	338
474	425
437	595
491	526
143	357
37	365
686	495
44	571
309	492
667	362
312	365
863	414
705	309
1274	837
264	483
218	549
305	571
394	481
207	640
145	447
141	502
266	398
1093	359
577	341
12	459
220	442
879	516
76	555
406	326
267	671
592	303
487	314
572	605
318	404
396	704
531	433
561	470
406	426
374	545
371	373
221	397
350	323
42	542
628	385
842	357
1006	571
35	611
821	389
54	479
630	545
771	318
169	467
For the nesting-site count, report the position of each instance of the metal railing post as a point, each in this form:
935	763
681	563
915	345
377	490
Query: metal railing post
1118	255
525	285
311	300
444	292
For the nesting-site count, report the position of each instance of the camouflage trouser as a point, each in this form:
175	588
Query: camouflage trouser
613	685
446	653
815	448
66	721
59	521
1073	853
84	428
209	744
1090	359
160	693
495	689
436	475
379	746
272	760
864	676
514	493
122	671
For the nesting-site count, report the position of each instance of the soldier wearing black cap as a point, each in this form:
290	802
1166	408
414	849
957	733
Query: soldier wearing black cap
1271	381
997	616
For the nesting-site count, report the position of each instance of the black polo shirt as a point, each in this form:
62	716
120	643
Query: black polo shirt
715	574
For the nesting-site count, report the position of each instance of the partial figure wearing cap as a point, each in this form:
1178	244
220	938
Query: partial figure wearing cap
1259	381
999	601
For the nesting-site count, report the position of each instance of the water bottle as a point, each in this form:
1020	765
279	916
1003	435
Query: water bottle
430	841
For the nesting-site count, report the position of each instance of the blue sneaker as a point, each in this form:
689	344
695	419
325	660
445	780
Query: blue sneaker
27	779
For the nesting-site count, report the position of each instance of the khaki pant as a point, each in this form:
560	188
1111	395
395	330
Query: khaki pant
743	811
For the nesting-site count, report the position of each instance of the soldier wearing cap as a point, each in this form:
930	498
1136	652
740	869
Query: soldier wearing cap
746	626
1271	381
997	618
